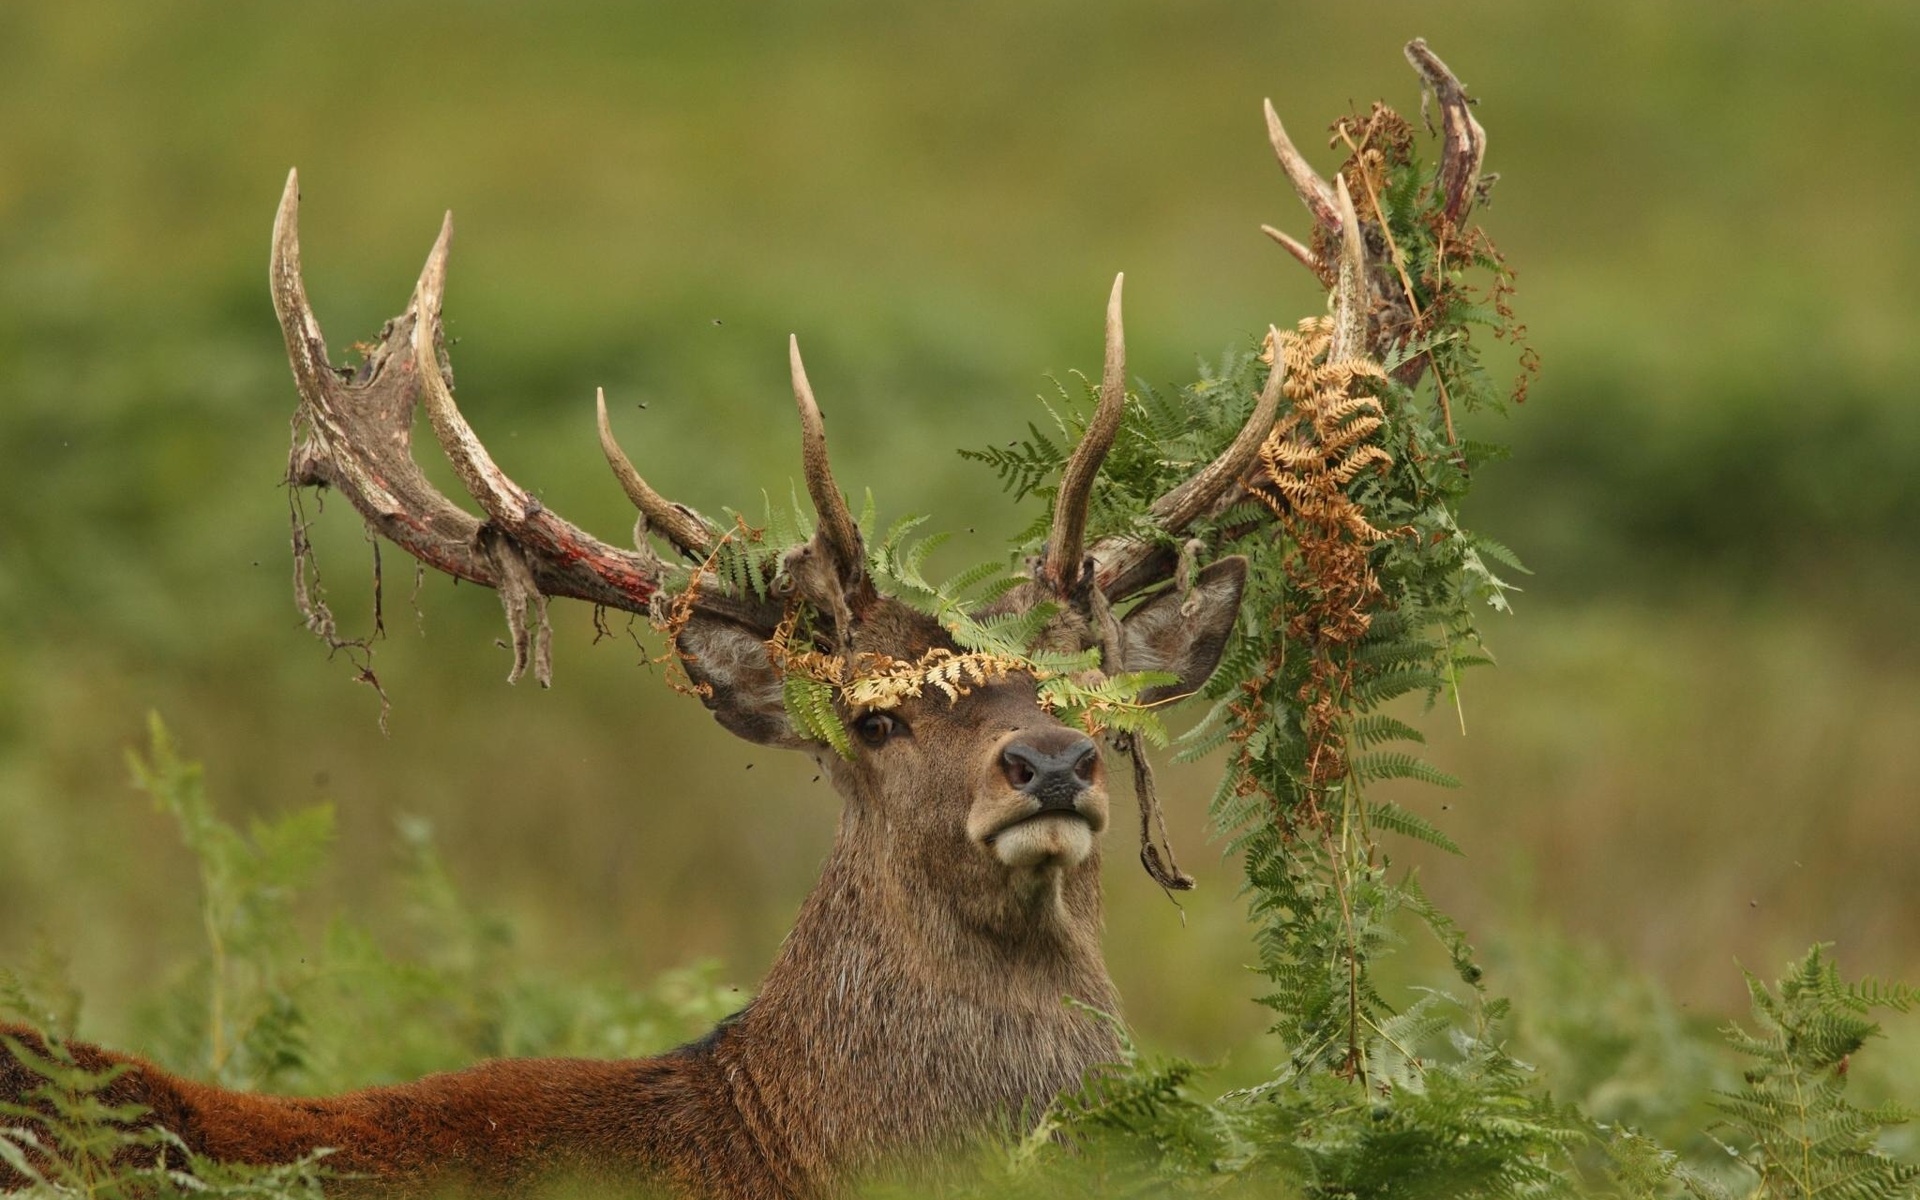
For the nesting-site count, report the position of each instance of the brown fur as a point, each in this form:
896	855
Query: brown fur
920	998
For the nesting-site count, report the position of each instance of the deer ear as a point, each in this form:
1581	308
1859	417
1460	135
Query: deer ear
1184	633
728	661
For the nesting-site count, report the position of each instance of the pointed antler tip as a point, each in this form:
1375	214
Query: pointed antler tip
802	390
289	293
811	424
837	529
1301	253
1276	130
1113	377
1350	290
286	218
433	275
686	529
1349	219
1313	191
440	242
1060	563
608	444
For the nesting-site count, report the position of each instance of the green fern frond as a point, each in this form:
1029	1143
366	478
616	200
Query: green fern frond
1804	1138
1010	634
1393	818
1374	729
1387	764
1023	467
810	707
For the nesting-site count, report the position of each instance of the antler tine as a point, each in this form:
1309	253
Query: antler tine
1126	565
837	528
1179	508
1066	541
1352	299
1314	191
1307	258
386	487
306	347
1466	141
680	525
354	434
563	559
502	499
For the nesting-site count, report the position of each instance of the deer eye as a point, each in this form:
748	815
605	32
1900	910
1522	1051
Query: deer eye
875	728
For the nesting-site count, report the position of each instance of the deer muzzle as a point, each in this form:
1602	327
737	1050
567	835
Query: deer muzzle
1053	777
1048	803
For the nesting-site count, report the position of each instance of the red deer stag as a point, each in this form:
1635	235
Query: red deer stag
919	996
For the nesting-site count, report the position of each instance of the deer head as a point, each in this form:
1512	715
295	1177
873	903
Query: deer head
961	902
959	779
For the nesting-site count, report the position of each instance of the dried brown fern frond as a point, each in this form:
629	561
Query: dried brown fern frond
879	681
886	682
1325	442
1305	466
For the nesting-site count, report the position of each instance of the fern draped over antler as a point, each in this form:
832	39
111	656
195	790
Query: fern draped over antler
1316	450
1314	454
1363	585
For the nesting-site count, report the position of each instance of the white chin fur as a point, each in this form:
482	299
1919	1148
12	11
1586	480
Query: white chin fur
1045	841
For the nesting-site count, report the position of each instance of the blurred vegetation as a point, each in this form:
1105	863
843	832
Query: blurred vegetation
1700	748
1617	1093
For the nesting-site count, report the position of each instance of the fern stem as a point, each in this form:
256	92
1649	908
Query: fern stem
1343	887
1805	1181
1453	668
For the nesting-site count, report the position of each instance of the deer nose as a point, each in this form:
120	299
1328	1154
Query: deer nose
1055	775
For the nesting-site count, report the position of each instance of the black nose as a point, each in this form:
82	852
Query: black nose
1052	769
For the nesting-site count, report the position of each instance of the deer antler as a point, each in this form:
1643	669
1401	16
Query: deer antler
1352	299
1182	505
837	533
829	572
1466	141
1061	563
353	433
690	533
1126	565
1314	191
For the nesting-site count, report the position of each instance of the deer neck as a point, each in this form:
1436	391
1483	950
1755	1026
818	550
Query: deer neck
896	1019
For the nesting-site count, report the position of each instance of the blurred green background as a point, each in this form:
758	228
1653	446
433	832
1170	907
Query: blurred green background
1702	747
